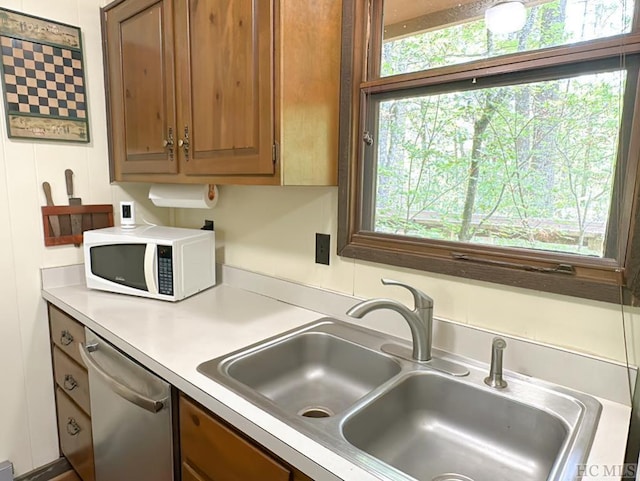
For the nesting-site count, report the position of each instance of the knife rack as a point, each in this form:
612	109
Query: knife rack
93	217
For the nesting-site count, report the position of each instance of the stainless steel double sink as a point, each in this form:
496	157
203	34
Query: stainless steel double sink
401	419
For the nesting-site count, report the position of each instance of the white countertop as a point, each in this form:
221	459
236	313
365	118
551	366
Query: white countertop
172	339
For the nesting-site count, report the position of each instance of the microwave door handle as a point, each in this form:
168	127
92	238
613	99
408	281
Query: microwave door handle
150	268
146	403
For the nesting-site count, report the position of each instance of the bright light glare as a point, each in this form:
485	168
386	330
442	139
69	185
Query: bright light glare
506	17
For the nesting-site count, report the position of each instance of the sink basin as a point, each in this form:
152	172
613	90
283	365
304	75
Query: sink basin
402	420
429	425
313	374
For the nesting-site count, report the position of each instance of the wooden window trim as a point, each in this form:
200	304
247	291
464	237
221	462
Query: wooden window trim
605	280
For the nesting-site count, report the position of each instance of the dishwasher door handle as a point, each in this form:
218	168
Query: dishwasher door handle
146	403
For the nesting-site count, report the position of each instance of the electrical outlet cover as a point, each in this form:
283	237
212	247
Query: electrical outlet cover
323	245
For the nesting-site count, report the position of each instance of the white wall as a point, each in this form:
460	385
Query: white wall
271	230
27	419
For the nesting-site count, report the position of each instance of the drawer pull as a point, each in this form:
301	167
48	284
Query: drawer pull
73	428
66	338
70	382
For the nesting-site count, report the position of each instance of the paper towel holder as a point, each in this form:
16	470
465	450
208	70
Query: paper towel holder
212	191
193	196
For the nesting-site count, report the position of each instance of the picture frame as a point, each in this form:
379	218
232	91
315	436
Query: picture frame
43	79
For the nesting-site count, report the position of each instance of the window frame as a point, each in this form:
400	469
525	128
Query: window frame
602	279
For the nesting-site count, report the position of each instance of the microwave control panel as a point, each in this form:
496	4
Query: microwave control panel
165	270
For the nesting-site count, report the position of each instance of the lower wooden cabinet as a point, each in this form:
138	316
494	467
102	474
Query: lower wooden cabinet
66	333
73	407
189	474
76	440
72	379
213	451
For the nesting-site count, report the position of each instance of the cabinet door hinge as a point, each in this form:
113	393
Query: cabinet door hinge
275	152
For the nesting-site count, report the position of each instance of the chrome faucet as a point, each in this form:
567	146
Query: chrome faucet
495	374
420	320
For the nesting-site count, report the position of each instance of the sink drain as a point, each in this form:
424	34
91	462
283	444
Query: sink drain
451	477
316	412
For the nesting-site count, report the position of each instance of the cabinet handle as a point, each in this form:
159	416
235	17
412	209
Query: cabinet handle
73	428
168	143
184	143
70	382
66	338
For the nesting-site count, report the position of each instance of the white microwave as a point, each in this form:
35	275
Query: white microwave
166	263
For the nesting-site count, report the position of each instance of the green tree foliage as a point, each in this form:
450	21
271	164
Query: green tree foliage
521	165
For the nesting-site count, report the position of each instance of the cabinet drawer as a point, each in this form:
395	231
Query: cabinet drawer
66	333
72	379
220	453
76	442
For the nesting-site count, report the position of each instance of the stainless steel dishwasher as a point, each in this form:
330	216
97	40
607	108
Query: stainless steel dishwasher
131	416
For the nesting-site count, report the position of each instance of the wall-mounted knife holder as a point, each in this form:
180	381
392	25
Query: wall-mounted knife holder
93	217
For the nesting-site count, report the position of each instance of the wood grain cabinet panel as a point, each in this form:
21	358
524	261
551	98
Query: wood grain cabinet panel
189	474
76	441
225	72
73	405
72	379
249	89
140	68
221	454
309	88
66	333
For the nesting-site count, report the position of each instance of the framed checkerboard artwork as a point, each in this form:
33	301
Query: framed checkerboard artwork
43	79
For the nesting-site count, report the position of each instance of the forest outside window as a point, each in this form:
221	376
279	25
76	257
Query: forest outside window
507	157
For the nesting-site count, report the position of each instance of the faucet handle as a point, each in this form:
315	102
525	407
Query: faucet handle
499	344
421	300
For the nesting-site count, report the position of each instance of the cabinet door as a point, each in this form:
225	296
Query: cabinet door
140	66
224	55
221	454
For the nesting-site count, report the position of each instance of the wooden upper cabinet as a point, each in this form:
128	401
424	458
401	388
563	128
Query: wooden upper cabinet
248	88
308	77
140	66
225	75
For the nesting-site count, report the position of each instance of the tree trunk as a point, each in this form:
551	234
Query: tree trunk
390	160
479	128
523	97
542	158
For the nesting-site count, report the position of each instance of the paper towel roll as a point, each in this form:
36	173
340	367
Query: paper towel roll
184	195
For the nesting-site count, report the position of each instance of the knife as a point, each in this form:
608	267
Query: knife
76	219
53	219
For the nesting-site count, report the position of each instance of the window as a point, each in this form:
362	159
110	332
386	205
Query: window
507	157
